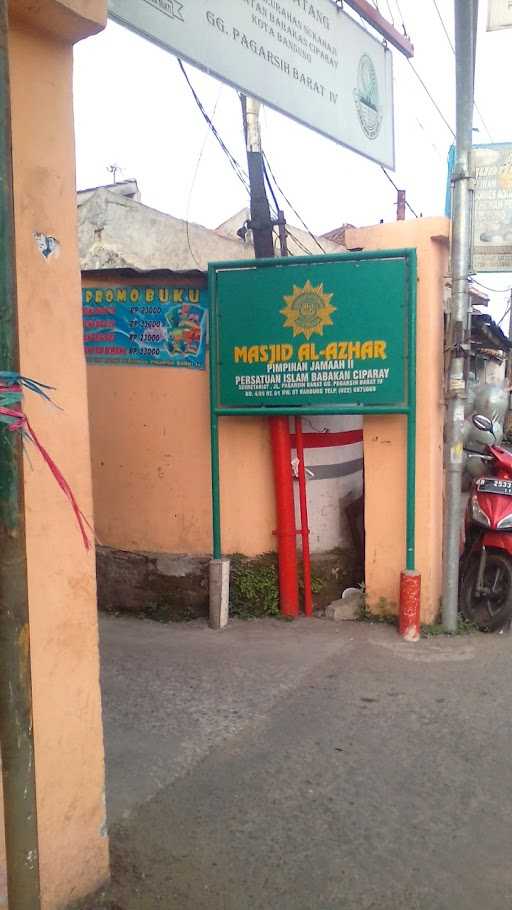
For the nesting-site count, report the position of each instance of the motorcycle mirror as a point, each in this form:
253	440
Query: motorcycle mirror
482	423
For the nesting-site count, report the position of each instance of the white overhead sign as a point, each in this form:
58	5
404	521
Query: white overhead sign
500	15
305	58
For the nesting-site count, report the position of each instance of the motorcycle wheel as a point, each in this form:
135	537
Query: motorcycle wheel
492	610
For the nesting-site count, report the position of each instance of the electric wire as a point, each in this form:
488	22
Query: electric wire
240	173
452	45
298	242
505	314
289	233
242	176
194	178
445	28
401	16
402	19
433	100
384	171
390	12
289	204
419	78
275	213
269	184
437	150
493	290
496	291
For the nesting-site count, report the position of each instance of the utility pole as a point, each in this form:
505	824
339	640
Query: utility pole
283	240
261	221
16	723
400	205
466	18
261	225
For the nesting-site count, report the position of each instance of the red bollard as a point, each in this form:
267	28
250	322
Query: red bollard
410	598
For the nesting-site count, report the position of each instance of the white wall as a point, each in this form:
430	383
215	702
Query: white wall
334	478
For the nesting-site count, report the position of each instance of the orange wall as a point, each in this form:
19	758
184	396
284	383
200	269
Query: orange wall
151	469
150	441
61	575
385	437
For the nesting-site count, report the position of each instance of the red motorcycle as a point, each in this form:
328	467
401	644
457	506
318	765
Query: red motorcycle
486	563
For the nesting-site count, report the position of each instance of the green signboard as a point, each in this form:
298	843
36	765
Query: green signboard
331	332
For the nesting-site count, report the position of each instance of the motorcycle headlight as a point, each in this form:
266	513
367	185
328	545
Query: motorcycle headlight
505	523
478	515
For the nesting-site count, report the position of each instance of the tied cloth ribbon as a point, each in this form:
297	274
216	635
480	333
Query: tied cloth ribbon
12	386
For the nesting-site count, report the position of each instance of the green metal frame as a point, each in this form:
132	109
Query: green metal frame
408	409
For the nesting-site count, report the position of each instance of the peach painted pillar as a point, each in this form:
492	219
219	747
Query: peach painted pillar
385	437
69	756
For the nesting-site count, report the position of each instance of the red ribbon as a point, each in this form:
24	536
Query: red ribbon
19	421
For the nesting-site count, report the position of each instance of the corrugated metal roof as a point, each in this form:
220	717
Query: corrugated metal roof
488	333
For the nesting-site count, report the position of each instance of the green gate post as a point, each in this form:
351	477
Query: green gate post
214	420
411	421
408	409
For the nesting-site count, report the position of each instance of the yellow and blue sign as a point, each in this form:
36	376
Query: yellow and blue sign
147	326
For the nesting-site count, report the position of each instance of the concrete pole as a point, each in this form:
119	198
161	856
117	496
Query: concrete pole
261	221
400	206
466	16
219	593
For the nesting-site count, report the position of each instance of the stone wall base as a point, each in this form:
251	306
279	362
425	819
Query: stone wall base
173	588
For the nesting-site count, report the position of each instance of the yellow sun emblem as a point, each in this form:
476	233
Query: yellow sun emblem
308	310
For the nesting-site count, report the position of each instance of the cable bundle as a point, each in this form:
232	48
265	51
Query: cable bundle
12	386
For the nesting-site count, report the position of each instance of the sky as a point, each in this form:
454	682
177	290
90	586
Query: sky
133	109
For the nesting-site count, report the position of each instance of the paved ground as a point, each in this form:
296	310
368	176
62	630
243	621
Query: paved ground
307	766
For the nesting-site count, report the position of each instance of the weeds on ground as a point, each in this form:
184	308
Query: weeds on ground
317	584
254	587
464	627
384	612
160	611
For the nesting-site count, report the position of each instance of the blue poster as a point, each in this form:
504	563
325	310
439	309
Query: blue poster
146	326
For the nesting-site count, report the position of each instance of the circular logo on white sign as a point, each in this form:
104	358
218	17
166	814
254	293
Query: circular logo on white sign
366	96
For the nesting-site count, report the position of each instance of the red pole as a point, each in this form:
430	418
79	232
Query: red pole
304	523
410	594
286	531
